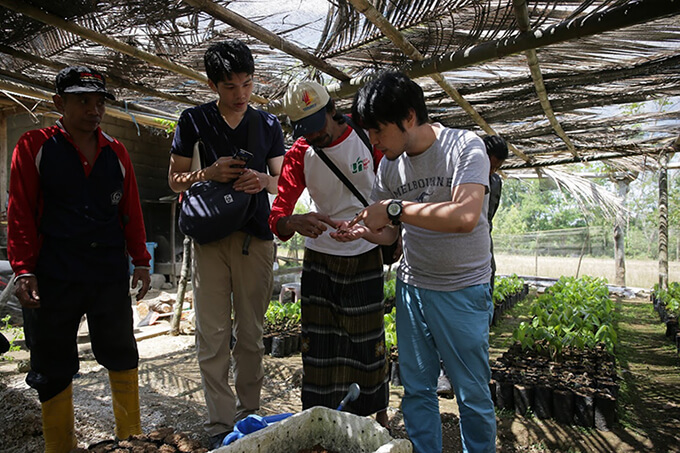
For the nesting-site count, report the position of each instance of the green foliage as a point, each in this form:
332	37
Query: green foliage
296	244
391	330
504	413
503	287
526	207
390	292
168	125
282	317
14	333
390	289
669	297
576	313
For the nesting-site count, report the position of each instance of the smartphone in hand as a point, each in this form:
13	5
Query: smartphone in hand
244	156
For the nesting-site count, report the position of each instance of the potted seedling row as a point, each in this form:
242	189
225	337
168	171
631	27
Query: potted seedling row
667	305
562	363
282	328
507	291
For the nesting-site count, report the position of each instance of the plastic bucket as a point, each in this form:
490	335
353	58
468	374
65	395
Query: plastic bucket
150	247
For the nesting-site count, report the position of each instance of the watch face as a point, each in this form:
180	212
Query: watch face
393	209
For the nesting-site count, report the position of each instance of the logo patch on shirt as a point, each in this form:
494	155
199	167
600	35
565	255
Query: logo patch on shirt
116	197
424	197
360	164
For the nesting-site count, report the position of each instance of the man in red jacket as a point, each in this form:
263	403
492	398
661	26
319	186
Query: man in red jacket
74	215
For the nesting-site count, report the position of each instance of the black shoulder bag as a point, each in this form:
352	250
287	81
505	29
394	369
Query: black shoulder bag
388	251
212	210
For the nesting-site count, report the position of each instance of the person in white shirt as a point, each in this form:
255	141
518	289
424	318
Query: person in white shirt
343	337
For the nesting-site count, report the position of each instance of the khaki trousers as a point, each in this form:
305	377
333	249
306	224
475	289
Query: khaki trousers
224	279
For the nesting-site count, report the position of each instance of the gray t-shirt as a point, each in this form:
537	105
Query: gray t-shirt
435	260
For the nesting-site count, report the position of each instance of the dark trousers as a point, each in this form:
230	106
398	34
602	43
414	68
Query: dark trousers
51	331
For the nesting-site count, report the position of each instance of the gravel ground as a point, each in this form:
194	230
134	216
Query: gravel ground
170	394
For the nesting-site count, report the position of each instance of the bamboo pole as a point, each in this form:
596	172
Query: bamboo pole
50	19
116	112
585	245
111	79
394	35
634	151
522	15
568	79
49	88
251	28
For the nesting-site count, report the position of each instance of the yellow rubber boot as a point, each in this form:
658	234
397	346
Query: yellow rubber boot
57	421
125	397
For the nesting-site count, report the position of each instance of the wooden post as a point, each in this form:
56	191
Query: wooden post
181	287
620	233
536	255
586	245
663	220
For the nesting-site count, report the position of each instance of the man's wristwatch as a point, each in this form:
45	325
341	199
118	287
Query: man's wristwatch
394	210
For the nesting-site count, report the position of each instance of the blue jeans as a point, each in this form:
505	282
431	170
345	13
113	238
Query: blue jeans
453	325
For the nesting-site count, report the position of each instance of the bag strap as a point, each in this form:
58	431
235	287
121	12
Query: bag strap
340	175
360	132
362	135
364	138
253	129
198	159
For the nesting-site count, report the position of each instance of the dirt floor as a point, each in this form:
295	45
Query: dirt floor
171	395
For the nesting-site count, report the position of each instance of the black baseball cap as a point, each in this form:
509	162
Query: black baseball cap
81	79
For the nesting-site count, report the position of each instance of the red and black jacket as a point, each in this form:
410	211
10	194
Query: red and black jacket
71	220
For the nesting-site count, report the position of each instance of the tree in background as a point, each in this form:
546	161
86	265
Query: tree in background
529	206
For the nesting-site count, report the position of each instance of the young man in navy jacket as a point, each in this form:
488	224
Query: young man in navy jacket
236	269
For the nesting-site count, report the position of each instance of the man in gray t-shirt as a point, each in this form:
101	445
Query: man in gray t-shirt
434	181
455	157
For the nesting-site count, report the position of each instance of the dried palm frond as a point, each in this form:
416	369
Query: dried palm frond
346	28
634	164
586	193
439	25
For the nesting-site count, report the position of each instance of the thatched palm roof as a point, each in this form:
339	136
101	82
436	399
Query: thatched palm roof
550	76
